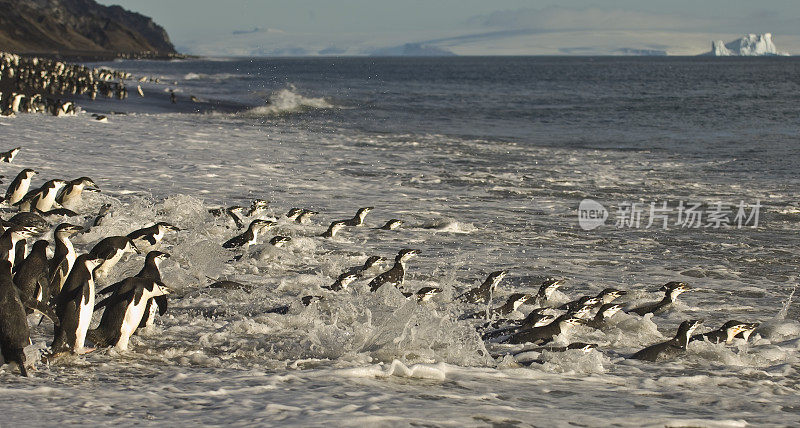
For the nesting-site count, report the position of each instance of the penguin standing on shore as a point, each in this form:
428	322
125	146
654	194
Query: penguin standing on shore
33	273
124	311
43	198
75	306
70	196
11	241
150	270
14	330
19	186
63	257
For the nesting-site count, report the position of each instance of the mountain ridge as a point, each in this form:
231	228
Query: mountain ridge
79	27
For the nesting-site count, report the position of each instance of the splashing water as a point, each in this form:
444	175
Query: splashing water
287	101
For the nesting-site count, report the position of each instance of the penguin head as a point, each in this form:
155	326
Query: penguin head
307	300
293	213
582	312
572	321
517	299
86	183
40	246
258	225
336	225
58	183
167	226
608	295
280	241
734	328
362	212
549	286
406	254
346	279
585	347
258	205
495	277
157	257
372	261
592	302
19	232
609	309
686	329
674	289
427	293
305	214
393	224
542	320
68	229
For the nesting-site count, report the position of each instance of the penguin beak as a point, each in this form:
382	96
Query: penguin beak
174	228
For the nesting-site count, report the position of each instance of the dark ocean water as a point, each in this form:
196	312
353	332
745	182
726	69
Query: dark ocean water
537	99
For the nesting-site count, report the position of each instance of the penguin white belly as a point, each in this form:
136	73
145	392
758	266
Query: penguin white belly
159	236
18	194
133	316
71	257
46	203
84	319
70	200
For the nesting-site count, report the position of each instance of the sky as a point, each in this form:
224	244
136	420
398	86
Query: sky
477	27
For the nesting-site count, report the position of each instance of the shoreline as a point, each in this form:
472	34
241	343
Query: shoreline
96	90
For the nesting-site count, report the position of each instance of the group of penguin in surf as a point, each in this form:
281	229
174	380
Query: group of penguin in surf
62	287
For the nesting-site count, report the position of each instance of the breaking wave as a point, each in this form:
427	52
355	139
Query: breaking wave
288	101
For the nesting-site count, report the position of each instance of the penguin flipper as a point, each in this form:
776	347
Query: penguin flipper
45	310
114	299
161	301
110	289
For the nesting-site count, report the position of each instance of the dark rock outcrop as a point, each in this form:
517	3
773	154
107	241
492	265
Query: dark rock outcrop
79	27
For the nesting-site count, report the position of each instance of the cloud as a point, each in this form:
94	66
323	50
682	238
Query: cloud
556	18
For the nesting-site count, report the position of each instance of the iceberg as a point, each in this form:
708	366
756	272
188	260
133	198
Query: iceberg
748	45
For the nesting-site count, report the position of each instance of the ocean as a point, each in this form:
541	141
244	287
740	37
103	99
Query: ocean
622	172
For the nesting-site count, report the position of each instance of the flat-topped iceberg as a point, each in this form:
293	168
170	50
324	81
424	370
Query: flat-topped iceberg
748	45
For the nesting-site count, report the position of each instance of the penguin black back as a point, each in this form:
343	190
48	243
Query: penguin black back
14	329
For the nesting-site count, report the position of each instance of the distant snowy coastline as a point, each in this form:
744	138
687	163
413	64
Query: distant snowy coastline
748	45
